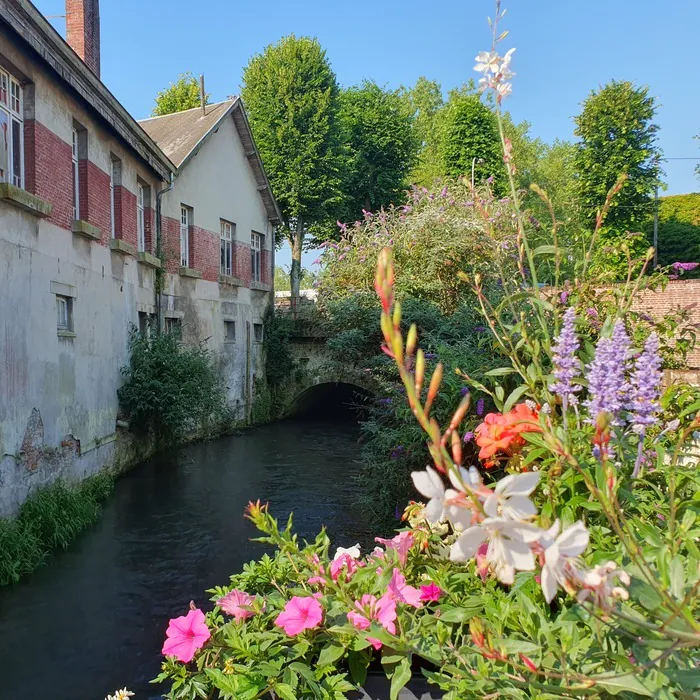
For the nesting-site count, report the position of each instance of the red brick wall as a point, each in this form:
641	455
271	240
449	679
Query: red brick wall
266	267
241	261
170	232
48	170
678	295
127	198
94	198
83	31
205	252
149	217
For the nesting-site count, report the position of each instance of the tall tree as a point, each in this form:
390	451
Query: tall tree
425	101
469	140
377	133
291	95
183	94
617	135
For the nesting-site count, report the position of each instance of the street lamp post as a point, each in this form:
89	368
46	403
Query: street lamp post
475	160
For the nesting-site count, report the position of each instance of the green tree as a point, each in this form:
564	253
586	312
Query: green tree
469	136
183	94
377	132
291	95
425	102
617	135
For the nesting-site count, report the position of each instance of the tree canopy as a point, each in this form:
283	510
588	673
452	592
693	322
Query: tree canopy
183	94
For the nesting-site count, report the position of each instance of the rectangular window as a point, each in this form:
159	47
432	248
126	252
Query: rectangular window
141	216
227	229
173	325
255	256
76	176
11	131
185	223
64	313
229	331
258	332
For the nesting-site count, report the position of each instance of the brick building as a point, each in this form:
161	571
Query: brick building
91	206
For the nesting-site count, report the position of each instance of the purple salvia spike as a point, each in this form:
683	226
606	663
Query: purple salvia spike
566	363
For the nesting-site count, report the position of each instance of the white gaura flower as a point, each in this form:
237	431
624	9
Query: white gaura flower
487	61
429	484
122	694
508	546
510	498
559	550
353	552
599	582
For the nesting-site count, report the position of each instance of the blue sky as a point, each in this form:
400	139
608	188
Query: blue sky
564	48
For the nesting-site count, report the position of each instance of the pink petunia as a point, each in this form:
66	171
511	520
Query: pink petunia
185	635
345	565
368	608
237	604
401	543
300	614
430	593
400	591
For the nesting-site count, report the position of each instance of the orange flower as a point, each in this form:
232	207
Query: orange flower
491	435
501	433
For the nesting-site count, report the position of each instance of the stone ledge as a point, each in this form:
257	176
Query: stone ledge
83	228
24	200
189	272
260	286
122	247
148	259
66	334
231	281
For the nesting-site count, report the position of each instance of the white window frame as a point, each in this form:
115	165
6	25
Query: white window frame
112	194
141	216
256	246
76	174
185	224
226	249
11	107
64	313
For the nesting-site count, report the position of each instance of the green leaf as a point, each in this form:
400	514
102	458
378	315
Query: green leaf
286	692
358	667
463	614
402	674
544	250
499	372
330	654
624	684
687	678
514	396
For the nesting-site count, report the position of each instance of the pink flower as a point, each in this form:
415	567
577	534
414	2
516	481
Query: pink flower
344	561
430	593
368	608
237	604
482	563
400	591
300	614
185	635
401	543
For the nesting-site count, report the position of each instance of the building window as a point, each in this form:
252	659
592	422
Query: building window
141	216
229	331
185	223
255	255
173	325
227	229
76	176
64	313
258	332
11	131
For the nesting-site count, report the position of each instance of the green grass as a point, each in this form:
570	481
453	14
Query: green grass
51	518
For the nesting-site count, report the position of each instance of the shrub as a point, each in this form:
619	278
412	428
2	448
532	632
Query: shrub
679	229
170	389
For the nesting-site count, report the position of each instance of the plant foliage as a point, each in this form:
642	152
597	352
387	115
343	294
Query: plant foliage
183	94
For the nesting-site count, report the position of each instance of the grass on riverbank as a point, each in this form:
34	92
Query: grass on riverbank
51	518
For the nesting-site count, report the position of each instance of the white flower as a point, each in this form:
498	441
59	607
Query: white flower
558	550
353	551
487	61
600	583
122	694
508	546
429	484
510	499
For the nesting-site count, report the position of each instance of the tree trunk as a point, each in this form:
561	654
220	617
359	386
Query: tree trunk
295	273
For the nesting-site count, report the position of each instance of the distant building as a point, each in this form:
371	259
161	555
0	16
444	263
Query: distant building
92	205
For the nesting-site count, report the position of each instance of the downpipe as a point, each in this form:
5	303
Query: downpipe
160	274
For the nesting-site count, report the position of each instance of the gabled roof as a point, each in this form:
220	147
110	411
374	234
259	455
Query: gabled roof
181	135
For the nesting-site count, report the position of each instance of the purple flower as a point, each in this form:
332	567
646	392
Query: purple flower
480	407
397	452
397	512
430	355
443	193
607	387
566	364
387	401
479	329
464	391
468	436
685	267
564	297
535	222
490	179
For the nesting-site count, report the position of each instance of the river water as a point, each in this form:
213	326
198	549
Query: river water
94	618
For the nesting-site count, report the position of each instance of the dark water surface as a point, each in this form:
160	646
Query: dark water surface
94	618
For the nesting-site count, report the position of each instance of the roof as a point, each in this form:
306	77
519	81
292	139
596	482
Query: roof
182	134
35	31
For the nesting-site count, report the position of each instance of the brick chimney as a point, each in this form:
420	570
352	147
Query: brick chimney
83	31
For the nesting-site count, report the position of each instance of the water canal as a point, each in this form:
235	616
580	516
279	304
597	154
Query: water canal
94	618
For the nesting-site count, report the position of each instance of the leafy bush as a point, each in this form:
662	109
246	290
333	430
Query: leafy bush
51	518
169	388
679	229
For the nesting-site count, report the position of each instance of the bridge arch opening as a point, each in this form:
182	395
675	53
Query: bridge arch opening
331	400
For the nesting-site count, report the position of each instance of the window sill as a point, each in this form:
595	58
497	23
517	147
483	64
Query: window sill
83	228
119	246
66	334
148	259
189	272
260	286
24	200
231	281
